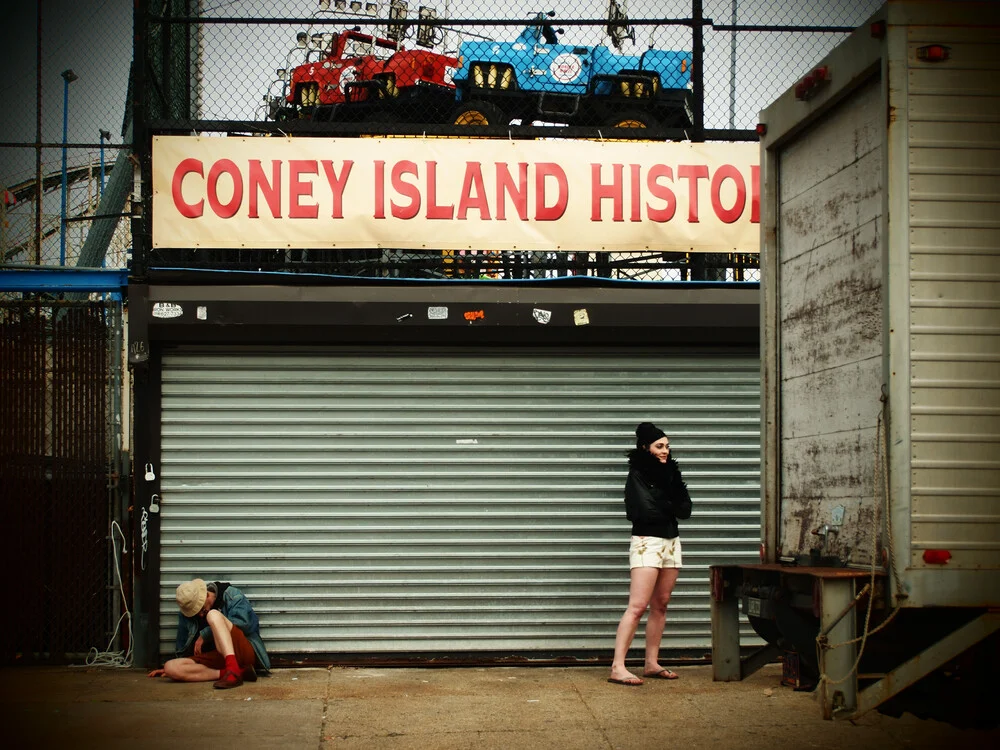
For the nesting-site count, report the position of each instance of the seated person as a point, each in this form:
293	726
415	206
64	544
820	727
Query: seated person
218	637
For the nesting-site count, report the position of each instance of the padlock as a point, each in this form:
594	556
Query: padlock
150	476
154	504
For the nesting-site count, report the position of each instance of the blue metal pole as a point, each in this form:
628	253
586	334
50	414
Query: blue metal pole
68	77
62	215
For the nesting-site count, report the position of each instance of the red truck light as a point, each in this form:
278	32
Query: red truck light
933	53
808	86
936	556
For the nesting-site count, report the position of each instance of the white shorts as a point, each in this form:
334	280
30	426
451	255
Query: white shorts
654	552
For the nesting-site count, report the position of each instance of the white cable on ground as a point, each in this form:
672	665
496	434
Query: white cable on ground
109	658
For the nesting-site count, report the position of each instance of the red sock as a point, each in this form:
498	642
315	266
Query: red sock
232	665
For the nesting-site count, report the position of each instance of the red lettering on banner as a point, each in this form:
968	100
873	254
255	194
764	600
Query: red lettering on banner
505	186
277	189
544	170
662	192
379	189
434	211
337	185
298	189
723	173
473	183
186	167
636	214
692	173
406	189
270	190
221	167
601	192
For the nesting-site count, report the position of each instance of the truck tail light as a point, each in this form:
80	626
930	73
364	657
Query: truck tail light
808	86
936	556
933	53
762	552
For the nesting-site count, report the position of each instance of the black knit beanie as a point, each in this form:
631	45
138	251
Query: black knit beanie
646	434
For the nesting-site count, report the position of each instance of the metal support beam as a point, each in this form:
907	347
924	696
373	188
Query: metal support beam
726	665
927	661
836	595
63	280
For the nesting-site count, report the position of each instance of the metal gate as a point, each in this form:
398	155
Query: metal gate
57	465
447	502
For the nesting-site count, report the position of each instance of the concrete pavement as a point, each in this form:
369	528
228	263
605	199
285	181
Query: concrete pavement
522	708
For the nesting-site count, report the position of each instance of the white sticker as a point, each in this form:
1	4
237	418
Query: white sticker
566	68
201	312
437	313
542	316
467	441
347	75
580	317
167	310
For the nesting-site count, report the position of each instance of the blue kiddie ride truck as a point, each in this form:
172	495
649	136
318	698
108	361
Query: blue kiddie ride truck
537	78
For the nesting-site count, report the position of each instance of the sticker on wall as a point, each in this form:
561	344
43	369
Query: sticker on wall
580	317
167	310
201	313
437	313
471	315
467	441
542	316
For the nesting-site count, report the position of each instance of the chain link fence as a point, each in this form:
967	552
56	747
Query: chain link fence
645	69
61	480
64	104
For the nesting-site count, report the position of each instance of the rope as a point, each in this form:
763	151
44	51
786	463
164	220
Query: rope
109	658
880	488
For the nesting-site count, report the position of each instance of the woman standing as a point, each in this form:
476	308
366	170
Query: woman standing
655	498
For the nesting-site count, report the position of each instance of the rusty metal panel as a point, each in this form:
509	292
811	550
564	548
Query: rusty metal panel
829	311
954	305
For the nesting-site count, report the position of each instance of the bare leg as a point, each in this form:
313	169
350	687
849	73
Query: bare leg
221	628
658	617
188	670
643	581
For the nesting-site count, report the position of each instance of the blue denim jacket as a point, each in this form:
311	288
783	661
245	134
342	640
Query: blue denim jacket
236	607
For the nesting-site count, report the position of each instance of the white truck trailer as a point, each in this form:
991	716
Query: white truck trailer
879	581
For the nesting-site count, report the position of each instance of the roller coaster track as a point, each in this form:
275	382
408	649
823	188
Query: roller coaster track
27	191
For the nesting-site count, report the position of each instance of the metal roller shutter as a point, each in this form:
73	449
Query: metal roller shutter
446	501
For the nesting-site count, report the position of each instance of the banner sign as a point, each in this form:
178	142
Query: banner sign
457	194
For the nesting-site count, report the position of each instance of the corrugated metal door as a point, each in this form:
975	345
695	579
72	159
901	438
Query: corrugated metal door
447	501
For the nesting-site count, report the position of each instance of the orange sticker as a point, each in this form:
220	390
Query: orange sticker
472	315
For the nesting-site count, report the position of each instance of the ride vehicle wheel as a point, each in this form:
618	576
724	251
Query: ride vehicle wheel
634	119
478	114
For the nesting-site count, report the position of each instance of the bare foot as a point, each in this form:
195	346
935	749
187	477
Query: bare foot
624	677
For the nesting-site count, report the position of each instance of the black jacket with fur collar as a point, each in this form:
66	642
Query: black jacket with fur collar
655	495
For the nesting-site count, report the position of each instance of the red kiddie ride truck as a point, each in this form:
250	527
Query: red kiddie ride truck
361	77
